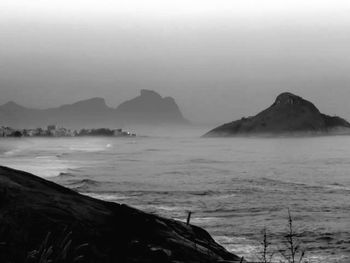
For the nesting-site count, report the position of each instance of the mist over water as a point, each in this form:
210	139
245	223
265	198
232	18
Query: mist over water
234	186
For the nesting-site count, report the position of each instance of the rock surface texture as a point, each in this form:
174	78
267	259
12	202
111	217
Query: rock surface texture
99	231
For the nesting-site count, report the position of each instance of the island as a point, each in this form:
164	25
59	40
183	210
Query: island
45	222
288	115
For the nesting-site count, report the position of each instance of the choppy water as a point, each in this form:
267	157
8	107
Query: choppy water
234	187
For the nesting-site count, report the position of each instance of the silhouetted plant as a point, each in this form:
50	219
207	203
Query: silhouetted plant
291	250
57	250
293	253
265	255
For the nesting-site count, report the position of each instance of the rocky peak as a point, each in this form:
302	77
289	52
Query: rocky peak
289	114
288	98
149	93
93	103
11	106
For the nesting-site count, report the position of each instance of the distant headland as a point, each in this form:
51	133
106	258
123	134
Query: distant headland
288	115
149	108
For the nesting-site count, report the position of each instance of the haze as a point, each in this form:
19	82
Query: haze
220	60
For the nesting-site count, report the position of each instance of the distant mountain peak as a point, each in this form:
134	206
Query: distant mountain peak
288	114
11	105
147	101
93	103
95	100
287	101
149	93
288	98
150	106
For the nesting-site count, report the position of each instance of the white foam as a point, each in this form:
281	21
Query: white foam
238	245
12	152
106	197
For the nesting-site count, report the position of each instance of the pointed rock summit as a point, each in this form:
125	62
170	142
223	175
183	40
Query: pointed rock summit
289	114
149	101
150	107
11	106
92	104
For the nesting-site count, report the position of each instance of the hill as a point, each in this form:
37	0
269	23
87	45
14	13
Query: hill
289	114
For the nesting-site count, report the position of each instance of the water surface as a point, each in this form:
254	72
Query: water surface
234	186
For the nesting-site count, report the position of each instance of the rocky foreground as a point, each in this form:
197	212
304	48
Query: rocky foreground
288	115
42	221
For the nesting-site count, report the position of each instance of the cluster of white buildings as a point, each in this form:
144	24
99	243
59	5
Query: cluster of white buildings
51	130
54	131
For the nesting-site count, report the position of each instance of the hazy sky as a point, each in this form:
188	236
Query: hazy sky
219	59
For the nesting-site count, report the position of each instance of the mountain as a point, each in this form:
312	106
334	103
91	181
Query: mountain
11	106
289	114
38	215
149	108
91	105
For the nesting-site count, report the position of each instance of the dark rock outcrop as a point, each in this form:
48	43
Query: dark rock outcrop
30	207
289	114
148	108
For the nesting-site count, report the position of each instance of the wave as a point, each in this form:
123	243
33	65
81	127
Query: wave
286	183
88	182
12	152
206	161
153	150
65	175
106	196
46	157
338	186
239	245
83	185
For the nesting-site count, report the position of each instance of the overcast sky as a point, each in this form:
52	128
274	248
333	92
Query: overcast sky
219	59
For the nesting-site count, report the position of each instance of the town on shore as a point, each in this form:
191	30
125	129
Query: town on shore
54	131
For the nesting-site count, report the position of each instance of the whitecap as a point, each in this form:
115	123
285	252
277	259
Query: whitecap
106	197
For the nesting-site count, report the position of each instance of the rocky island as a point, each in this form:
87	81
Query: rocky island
41	221
288	115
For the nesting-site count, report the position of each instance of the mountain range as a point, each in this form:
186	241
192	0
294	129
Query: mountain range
289	114
149	108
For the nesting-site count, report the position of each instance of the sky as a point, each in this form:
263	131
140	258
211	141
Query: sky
219	59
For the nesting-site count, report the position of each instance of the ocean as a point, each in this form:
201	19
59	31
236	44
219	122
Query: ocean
234	187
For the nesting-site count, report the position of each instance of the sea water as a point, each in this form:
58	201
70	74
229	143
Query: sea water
234	187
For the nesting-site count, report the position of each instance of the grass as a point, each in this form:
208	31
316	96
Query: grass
57	250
